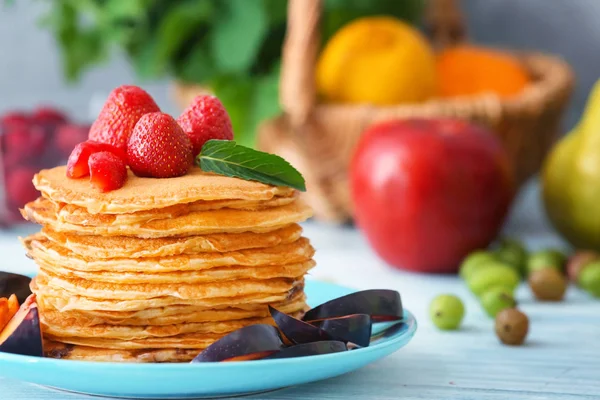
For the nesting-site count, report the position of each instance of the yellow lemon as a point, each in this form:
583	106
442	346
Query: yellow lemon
377	60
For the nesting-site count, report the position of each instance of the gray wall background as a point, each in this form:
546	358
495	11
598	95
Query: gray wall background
30	70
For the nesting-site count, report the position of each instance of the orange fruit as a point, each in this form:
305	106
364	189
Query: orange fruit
469	70
377	60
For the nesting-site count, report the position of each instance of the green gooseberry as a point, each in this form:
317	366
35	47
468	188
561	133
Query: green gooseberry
496	274
447	311
546	258
589	278
474	261
497	299
512	252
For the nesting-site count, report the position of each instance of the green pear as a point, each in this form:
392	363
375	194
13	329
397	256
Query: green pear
571	179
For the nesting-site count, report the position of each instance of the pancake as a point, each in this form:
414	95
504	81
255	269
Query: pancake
61	326
131	247
42	211
206	276
49	253
197	341
141	194
69	213
227	289
65	351
63	300
175	314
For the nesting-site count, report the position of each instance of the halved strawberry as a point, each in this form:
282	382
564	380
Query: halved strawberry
107	171
204	119
77	165
123	109
159	148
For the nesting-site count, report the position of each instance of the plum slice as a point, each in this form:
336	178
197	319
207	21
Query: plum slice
249	343
354	328
309	349
14	283
382	305
23	335
297	331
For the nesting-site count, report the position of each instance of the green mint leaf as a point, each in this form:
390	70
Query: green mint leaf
226	157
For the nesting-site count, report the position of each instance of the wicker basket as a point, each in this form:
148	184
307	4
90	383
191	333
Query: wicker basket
319	138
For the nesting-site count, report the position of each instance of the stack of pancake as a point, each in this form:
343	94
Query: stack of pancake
159	269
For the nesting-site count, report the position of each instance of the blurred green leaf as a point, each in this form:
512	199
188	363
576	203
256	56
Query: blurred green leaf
176	27
248	102
237	37
198	66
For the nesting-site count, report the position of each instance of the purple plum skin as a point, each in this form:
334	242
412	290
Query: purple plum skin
14	283
382	305
241	344
309	349
354	329
26	339
297	331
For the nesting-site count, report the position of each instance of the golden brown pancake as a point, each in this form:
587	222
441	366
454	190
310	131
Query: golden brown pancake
225	220
49	253
69	213
63	300
130	247
176	314
66	351
141	194
197	341
205	276
61	326
112	291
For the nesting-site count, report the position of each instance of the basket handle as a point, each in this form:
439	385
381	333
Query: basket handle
298	92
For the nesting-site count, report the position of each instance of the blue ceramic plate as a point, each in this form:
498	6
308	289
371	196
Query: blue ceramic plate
189	381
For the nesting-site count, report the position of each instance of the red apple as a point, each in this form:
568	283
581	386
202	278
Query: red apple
427	192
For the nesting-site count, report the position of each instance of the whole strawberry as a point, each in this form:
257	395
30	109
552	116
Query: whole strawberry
159	148
204	119
123	109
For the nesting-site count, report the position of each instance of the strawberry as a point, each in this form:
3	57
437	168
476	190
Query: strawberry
24	143
19	186
49	115
107	171
77	166
204	119
123	109
67	136
159	148
15	118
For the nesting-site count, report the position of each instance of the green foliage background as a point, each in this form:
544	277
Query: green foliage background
231	46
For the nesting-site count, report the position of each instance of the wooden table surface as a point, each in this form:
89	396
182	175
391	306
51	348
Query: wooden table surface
561	358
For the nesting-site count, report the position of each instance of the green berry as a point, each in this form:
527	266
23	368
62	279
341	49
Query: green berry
549	258
447	311
589	278
495	274
512	252
474	261
497	299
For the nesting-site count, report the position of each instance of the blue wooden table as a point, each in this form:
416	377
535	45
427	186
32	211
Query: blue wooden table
560	360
